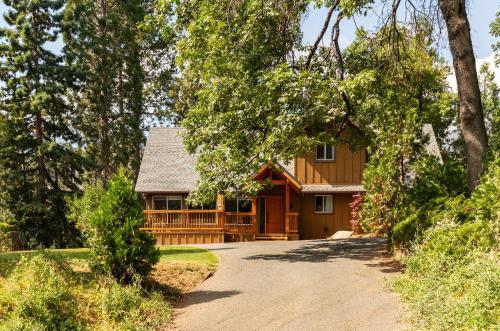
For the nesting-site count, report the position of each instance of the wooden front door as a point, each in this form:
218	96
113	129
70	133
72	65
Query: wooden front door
274	217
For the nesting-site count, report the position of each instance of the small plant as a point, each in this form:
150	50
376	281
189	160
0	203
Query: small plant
110	219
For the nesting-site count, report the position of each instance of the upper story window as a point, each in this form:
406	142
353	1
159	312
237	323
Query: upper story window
168	202
239	205
325	152
323	204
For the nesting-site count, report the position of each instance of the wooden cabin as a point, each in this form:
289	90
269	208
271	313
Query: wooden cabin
308	199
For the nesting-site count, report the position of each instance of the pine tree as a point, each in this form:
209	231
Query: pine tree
103	43
37	156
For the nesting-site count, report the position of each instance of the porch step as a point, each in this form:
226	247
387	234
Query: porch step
271	236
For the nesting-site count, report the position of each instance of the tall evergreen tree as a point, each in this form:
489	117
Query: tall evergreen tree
37	157
103	43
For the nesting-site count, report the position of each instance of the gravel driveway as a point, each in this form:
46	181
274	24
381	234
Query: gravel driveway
295	285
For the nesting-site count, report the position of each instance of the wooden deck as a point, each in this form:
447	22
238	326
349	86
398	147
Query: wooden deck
208	226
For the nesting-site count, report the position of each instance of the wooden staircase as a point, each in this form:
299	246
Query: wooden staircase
271	236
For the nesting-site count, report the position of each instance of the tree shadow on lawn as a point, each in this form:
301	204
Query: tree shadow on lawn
363	249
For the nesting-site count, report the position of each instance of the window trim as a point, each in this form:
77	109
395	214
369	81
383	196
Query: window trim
323	196
237	204
334	153
167	197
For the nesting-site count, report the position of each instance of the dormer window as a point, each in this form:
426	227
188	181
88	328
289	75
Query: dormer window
325	152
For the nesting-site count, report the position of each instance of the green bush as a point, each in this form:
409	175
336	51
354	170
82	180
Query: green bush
110	220
452	278
38	292
42	292
437	192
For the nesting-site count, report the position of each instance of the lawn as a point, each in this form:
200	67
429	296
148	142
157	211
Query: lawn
167	253
180	268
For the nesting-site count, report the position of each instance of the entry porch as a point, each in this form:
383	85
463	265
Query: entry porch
271	215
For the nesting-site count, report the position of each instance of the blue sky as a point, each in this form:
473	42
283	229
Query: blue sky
481	13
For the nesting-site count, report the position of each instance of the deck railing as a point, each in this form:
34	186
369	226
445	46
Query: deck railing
293	223
240	222
172	220
208	220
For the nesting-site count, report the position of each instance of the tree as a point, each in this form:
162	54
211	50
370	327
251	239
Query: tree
260	96
103	44
38	162
470	108
110	218
495	31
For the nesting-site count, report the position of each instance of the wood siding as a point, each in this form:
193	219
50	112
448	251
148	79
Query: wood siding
316	226
346	169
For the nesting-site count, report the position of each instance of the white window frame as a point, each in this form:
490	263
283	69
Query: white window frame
323	196
324	152
167	197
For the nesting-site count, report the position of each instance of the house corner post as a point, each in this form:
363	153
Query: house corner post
254	213
220	210
287	207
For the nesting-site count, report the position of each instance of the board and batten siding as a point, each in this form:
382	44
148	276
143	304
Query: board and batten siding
317	226
346	169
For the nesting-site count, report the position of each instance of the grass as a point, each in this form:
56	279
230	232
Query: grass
99	301
81	255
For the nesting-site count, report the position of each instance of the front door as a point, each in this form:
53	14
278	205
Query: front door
274	217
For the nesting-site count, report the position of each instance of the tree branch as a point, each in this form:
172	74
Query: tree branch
322	33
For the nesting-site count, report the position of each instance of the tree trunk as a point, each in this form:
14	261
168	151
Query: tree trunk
470	109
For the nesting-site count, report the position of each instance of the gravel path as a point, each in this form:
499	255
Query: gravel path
295	285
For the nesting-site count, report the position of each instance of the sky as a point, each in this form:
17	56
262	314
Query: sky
481	14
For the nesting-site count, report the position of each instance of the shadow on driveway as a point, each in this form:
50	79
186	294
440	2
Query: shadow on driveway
364	249
201	296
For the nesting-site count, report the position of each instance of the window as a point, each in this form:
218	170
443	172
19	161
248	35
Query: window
324	204
325	152
239	205
209	206
170	202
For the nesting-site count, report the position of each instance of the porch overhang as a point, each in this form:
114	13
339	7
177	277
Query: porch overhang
287	179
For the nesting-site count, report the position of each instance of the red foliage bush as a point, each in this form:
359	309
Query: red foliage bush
356	212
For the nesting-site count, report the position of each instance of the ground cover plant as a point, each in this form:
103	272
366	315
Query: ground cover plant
55	290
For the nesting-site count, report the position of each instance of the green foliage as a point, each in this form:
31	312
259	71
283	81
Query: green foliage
111	220
495	31
490	99
404	93
38	161
37	293
44	293
452	277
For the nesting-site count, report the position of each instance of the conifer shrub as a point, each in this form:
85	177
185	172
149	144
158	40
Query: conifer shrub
110	219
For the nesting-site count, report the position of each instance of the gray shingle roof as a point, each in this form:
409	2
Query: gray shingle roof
166	165
432	146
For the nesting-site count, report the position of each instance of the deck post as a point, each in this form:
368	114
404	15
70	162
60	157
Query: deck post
254	213
287	207
220	208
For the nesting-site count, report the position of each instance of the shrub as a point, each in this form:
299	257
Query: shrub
436	193
43	293
355	205
38	292
111	219
452	278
